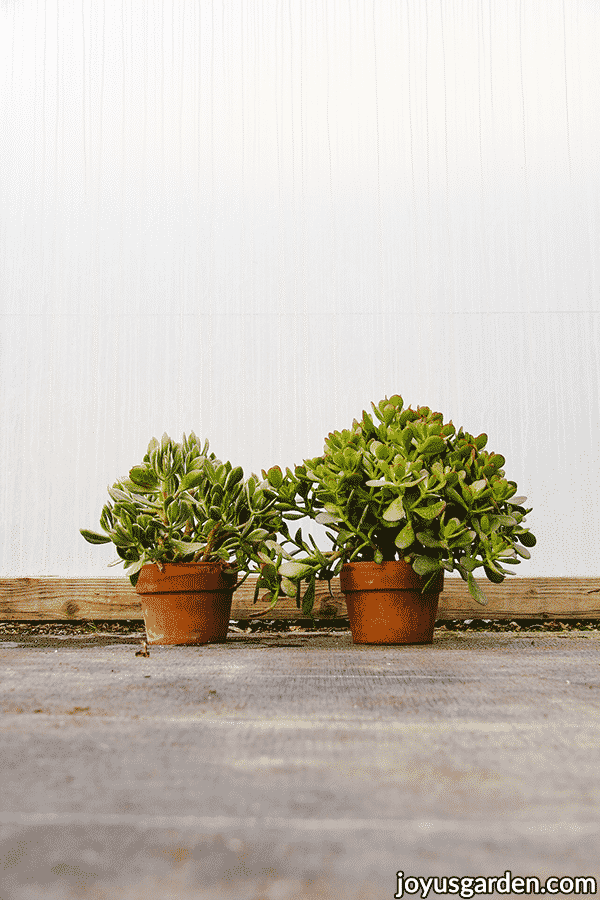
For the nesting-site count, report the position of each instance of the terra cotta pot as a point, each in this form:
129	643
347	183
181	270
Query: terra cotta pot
385	603
188	603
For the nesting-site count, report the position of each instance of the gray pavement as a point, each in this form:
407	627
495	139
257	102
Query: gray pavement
295	766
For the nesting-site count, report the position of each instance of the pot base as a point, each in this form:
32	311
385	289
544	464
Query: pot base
185	619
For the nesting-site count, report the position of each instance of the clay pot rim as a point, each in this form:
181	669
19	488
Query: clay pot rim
152	580
395	574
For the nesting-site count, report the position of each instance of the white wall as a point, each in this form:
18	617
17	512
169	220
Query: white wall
249	219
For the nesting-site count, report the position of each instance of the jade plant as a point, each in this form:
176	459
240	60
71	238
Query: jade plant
182	504
401	484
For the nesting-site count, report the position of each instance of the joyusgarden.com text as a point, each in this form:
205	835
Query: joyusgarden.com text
471	885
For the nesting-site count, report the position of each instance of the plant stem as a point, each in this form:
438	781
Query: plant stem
210	542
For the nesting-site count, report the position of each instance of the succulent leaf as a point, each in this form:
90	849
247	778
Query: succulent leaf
405	537
325	518
92	537
309	598
527	539
295	570
425	565
288	587
522	551
427	539
432	445
430	512
493	574
475	591
395	511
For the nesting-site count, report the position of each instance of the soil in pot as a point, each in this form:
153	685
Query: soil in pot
385	603
187	603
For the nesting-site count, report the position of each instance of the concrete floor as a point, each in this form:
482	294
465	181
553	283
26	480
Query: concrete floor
291	767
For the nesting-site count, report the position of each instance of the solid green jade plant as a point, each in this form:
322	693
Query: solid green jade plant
182	504
404	487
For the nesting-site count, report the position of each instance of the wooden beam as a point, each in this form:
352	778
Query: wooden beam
63	599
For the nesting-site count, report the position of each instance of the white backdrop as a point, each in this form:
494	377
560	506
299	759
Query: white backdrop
251	218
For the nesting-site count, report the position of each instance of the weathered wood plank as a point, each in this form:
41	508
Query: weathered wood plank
113	598
67	598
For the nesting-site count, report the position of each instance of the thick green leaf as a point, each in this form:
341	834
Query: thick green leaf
497	461
493	575
292	569
409	484
288	587
275	477
152	446
454	495
106	519
395	511
466	491
522	551
354	478
146	502
486	524
173	512
527	539
437	469
118	495
380	450
451	526
462	540
323	518
429	583
430	512
234	477
191	480
268	574
475	591
187	547
428	540
468	563
144	478
432	445
405	537
92	537
259	534
478	487
308	600
278	548
265	558
506	520
425	565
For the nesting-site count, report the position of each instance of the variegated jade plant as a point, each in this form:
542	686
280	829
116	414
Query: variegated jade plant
182	504
402	485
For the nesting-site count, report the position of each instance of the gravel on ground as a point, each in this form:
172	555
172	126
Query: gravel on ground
135	627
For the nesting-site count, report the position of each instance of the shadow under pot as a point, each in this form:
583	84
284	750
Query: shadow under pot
385	603
187	603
